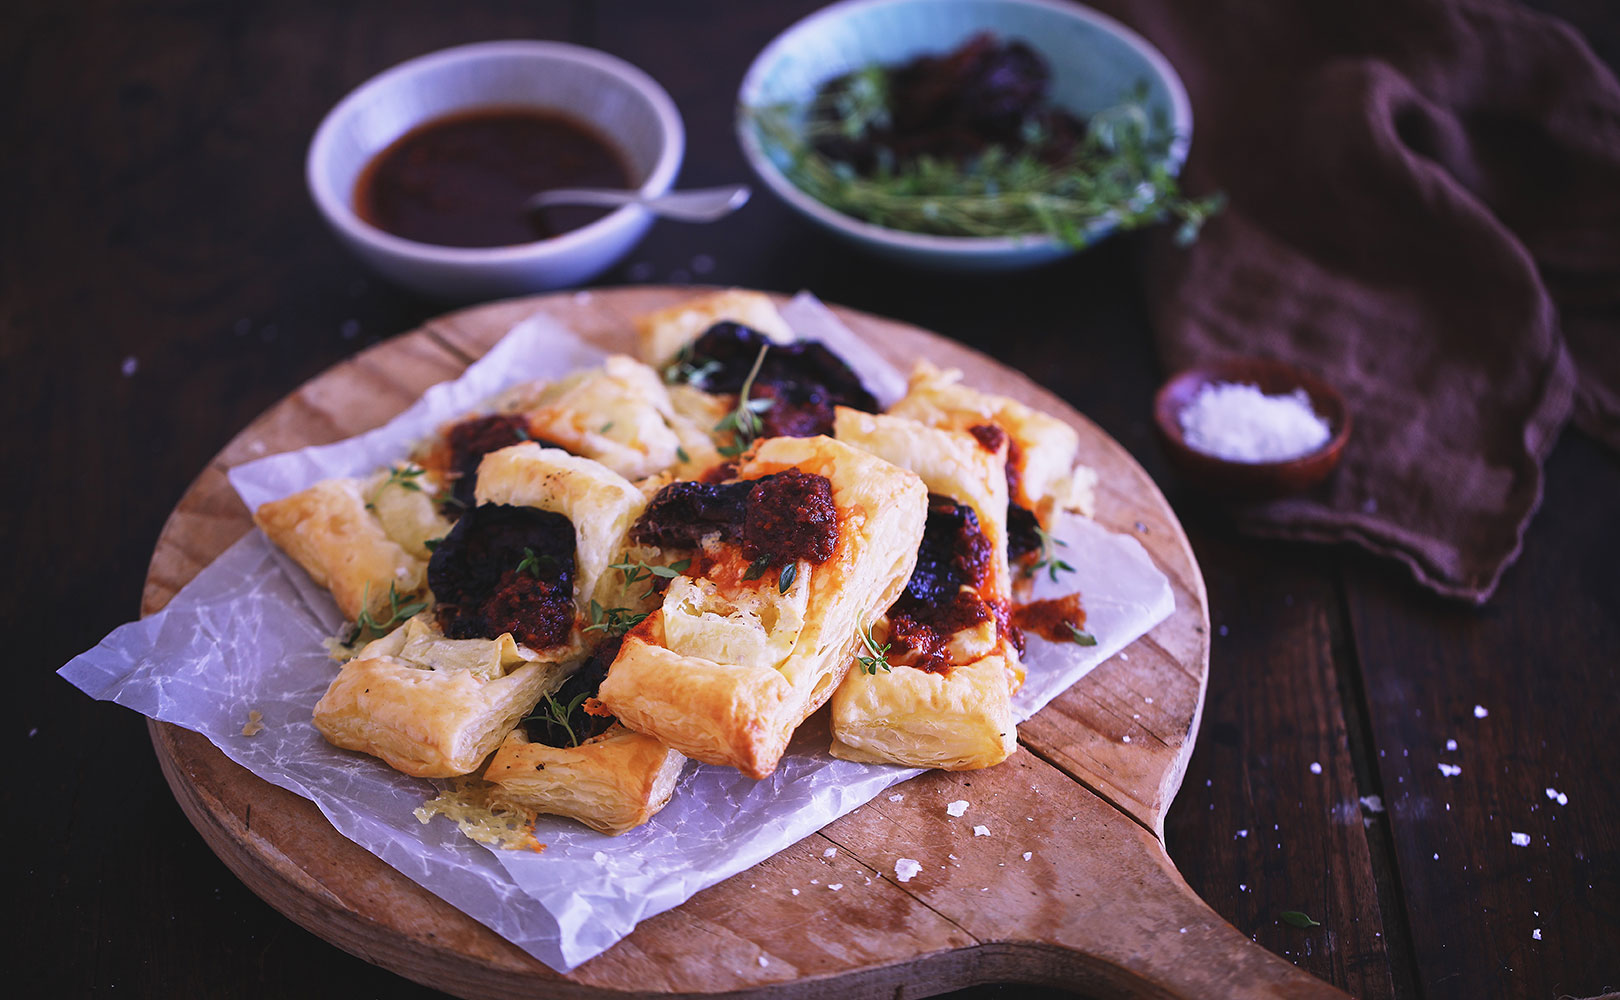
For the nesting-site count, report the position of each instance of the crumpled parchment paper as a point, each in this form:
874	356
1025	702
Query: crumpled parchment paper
245	635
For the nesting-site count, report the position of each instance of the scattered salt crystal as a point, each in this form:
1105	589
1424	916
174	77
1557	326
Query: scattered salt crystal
1127	737
957	808
831	852
1028	855
981	831
1241	833
1243	887
1557	796
1242	424
1451	746
1479	712
763	961
1372	803
953	857
835	886
1450	770
129	366
896	797
1520	839
1535	935
600	858
1184	930
795	892
1149	699
905	869
1316	767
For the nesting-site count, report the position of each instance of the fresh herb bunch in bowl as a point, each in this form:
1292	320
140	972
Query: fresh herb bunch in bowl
969	134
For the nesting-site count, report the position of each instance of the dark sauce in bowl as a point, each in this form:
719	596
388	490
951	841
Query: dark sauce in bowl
463	180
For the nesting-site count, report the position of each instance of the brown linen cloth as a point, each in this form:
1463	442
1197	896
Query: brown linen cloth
1425	208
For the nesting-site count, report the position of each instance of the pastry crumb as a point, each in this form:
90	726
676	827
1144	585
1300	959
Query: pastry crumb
255	723
957	808
905	869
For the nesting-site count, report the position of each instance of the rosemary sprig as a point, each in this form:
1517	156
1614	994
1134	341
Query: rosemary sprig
1120	174
744	421
404	478
613	621
554	712
365	622
878	660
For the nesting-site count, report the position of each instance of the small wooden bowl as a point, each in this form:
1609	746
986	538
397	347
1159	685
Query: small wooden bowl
1251	480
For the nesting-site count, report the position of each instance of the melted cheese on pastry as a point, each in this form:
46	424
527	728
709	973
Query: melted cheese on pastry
618	414
742	713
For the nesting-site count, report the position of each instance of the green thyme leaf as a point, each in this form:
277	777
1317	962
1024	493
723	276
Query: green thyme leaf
367	625
1079	635
680	453
1294	918
878	660
756	569
743	421
790	572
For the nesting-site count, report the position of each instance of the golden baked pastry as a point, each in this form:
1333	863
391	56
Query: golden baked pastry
363	539
430	706
1043	461
660	335
951	709
728	667
612	782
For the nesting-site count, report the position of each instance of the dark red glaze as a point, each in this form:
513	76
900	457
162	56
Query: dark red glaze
481	592
1051	619
989	436
790	516
784	517
804	378
954	554
922	632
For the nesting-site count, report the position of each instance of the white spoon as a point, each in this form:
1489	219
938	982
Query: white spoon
698	205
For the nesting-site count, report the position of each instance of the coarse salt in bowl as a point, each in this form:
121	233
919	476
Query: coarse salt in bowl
1252	428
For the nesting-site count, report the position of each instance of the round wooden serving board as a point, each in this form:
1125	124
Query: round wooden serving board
1074	889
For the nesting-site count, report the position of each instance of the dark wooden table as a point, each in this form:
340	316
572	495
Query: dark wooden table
164	278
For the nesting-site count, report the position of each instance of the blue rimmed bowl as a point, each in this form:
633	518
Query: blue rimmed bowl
1095	62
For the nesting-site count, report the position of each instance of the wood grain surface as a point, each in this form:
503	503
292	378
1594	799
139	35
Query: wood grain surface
1072	888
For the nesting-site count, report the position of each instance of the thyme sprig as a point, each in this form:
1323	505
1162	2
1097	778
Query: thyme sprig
1049	560
552	711
744	421
404	478
878	660
688	369
1120	174
635	572
613	621
533	564
367	624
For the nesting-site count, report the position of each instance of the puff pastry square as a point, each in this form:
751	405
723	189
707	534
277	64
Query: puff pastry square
959	717
1048	479
726	669
359	538
660	335
430	706
611	782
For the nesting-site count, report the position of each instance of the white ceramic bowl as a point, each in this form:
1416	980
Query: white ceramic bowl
1095	61
619	100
